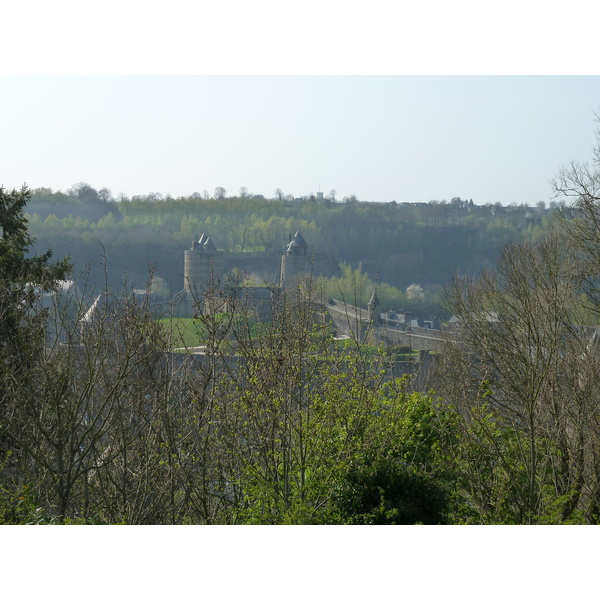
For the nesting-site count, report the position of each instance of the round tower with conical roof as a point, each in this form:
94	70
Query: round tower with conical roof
295	262
202	268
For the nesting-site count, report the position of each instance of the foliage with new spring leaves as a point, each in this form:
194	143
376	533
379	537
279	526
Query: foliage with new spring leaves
104	424
355	244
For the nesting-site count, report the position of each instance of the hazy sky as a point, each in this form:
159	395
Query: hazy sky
383	138
271	95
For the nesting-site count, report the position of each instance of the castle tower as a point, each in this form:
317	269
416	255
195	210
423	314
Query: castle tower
202	267
294	263
374	308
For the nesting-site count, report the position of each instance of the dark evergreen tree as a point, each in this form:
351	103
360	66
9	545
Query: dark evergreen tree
23	277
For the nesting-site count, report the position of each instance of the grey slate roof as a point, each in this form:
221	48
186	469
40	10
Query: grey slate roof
209	245
298	240
374	301
296	244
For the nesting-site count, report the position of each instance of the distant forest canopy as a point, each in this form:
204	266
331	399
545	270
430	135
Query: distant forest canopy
393	244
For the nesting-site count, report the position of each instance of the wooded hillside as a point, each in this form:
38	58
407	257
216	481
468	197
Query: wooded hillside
396	244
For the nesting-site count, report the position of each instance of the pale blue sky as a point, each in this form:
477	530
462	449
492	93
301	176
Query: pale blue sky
383	138
223	116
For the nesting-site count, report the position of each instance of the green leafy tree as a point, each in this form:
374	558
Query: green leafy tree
400	474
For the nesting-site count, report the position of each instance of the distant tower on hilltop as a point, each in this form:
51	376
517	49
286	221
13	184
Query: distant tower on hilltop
202	267
295	262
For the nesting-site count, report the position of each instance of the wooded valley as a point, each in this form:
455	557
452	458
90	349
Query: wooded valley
354	244
107	418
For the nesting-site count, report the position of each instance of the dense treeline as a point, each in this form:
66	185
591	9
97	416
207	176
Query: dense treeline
395	244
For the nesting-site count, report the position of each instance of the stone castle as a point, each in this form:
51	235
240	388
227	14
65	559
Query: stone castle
204	284
205	289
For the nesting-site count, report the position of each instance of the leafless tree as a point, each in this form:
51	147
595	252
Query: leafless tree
220	192
523	335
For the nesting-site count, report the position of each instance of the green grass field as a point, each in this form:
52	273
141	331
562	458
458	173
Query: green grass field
184	332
